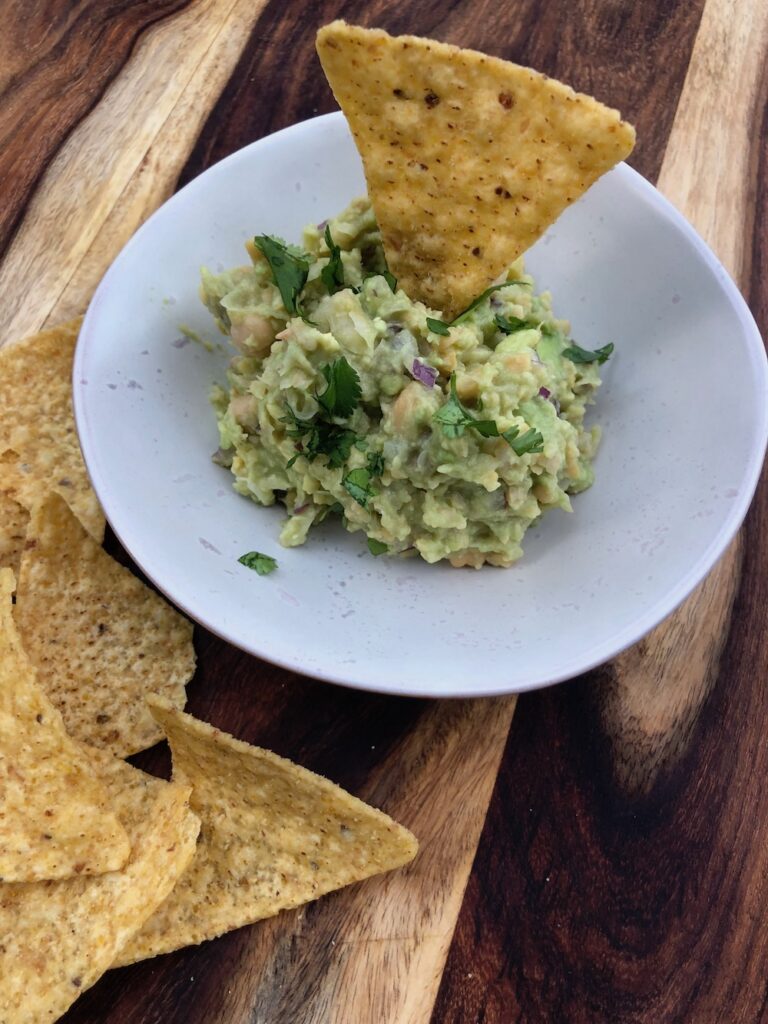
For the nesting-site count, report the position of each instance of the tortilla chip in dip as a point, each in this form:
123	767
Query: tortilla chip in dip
468	158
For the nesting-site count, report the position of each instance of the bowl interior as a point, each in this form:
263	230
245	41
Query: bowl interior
683	410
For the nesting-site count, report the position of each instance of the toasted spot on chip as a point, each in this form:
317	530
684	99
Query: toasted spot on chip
273	836
99	638
13	531
55	816
37	425
545	141
58	938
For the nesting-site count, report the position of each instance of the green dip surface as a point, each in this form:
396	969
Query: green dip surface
412	478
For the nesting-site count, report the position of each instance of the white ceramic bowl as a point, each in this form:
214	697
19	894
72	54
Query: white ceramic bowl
683	408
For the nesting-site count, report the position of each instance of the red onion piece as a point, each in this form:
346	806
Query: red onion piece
546	393
426	375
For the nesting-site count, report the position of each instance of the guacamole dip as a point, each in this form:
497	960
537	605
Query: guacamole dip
347	398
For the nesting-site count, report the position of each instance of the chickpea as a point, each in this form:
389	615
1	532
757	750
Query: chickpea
469	558
518	362
245	411
467	389
253	334
406	406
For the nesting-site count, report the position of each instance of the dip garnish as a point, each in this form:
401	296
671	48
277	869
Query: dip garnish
577	354
332	274
260	563
289	270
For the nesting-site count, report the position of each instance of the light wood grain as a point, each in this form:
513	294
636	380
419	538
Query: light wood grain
657	688
120	162
154	179
448	799
710	166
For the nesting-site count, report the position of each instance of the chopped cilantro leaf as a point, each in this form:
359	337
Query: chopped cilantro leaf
332	274
262	564
577	354
318	435
376	547
441	327
455	418
297	426
289	270
328	510
482	297
375	463
336	446
315	437
358	483
452	418
508	325
487	428
437	326
342	395
452	415
529	443
390	279
335	443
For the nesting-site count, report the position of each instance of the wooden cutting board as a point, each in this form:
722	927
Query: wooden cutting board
603	861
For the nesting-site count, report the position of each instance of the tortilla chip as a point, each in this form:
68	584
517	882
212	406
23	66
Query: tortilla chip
37	424
13	531
273	836
58	938
468	158
55	816
99	638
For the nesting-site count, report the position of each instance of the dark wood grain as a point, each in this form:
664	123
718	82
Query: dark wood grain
56	59
756	243
613	908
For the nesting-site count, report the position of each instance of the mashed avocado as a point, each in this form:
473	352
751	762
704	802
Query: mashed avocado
348	397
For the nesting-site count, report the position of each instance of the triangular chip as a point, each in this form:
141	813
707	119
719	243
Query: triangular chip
37	423
99	638
58	938
468	158
55	816
273	836
13	531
